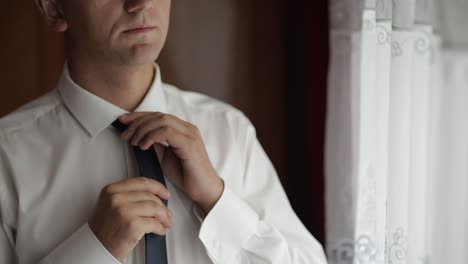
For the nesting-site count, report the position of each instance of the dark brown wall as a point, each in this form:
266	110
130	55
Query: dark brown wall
31	56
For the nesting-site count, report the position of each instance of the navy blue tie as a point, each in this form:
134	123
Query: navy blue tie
149	166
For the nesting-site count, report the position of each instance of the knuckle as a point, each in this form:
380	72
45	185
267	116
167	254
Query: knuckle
152	183
138	133
193	138
192	141
157	189
115	200
152	205
165	118
194	134
131	128
148	138
145	181
162	215
107	190
162	189
159	228
121	212
157	200
153	134
167	130
190	126
156	203
146	126
194	129
168	218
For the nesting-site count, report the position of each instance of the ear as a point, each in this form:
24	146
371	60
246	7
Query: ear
52	12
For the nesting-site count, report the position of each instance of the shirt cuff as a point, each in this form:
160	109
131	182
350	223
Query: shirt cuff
227	227
82	247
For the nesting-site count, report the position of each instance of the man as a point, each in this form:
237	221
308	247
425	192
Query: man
70	185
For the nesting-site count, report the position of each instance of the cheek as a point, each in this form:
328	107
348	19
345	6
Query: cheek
164	10
167	4
164	13
100	18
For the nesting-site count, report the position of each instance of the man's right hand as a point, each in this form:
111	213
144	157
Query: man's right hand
126	211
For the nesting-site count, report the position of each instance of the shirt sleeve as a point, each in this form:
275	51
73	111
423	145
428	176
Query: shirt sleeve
81	247
257	224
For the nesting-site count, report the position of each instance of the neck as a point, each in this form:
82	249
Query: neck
124	86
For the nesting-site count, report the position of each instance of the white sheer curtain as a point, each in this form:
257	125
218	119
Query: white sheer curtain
397	132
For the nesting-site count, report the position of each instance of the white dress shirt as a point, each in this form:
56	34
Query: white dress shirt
58	151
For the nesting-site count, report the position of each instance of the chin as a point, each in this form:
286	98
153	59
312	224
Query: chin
142	54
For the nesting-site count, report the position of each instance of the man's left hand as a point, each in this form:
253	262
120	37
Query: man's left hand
185	162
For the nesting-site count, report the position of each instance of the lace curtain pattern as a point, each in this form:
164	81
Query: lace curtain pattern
397	132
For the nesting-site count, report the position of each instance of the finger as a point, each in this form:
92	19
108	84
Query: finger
129	132
160	151
155	136
143	129
151	225
147	125
142	184
129	117
138	196
173	137
151	209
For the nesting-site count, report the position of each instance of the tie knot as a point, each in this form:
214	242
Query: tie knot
121	127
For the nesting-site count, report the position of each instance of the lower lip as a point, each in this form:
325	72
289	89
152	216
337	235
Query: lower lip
139	30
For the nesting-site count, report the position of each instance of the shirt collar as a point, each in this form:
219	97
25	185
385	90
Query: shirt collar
94	113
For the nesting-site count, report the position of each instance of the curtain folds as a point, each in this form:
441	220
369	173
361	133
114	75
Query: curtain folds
397	132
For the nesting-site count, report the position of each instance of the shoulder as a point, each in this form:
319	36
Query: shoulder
26	115
200	106
198	101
